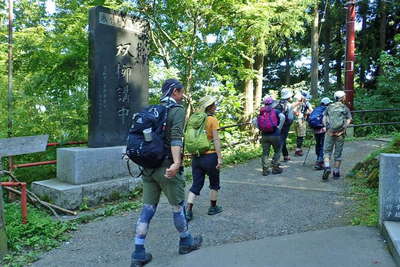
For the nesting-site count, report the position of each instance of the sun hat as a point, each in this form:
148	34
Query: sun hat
286	93
326	101
268	100
339	94
206	101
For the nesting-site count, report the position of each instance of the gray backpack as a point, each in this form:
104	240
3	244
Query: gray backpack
337	116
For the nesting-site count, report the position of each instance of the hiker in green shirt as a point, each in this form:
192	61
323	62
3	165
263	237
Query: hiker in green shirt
337	118
168	178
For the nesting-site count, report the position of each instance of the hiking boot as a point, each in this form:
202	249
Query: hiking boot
276	170
336	175
189	215
319	166
195	244
286	158
298	153
142	262
265	172
214	210
325	175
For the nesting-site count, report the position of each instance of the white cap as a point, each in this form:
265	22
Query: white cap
339	94
286	93
326	101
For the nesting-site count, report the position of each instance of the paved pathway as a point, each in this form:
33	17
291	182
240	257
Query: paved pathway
277	220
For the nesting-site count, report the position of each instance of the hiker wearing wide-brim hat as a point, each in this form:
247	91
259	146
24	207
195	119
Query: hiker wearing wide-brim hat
285	107
301	109
208	162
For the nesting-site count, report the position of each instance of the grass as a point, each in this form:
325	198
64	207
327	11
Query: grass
42	233
364	181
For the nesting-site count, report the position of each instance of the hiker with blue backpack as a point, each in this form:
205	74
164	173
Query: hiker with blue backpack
155	143
284	105
203	143
316	122
270	122
337	118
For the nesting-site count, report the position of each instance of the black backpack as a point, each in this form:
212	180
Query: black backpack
285	110
149	154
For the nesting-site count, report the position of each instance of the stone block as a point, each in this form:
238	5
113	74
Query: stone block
87	165
391	232
72	196
389	187
60	193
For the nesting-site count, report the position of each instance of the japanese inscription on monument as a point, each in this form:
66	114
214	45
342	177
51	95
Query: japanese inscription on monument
118	82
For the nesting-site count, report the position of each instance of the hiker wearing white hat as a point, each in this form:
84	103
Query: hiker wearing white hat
285	107
337	118
301	109
207	162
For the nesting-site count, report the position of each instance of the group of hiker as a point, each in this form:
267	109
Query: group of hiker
157	139
328	122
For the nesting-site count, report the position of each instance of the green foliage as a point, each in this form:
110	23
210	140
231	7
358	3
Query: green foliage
364	179
41	233
241	153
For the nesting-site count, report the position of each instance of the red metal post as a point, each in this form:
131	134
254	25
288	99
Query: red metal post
24	206
350	54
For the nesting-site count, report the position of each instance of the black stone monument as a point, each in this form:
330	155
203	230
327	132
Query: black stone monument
119	74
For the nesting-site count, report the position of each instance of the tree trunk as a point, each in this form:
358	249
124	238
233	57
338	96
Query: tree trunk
363	44
327	49
258	81
248	92
338	58
287	61
314	53
382	30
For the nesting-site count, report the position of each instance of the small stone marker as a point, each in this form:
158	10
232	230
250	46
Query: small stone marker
119	74
389	187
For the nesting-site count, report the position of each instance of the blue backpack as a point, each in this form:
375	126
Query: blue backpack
148	154
315	120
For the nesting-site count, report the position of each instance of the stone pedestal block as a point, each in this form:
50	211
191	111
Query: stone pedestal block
389	187
72	196
86	165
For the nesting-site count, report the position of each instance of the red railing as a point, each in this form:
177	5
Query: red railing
24	208
49	162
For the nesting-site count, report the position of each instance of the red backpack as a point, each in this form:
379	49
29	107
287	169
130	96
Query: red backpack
267	120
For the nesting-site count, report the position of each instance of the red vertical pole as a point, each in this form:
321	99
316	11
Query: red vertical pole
24	207
350	54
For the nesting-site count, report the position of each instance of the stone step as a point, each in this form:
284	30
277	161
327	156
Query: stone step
391	232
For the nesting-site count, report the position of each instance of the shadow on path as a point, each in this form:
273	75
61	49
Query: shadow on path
255	207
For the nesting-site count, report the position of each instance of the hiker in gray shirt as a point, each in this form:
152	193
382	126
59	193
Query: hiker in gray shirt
337	118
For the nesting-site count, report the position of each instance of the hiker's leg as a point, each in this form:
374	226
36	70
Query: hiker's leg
328	147
284	136
338	152
198	175
277	152
142	227
213	175
265	152
301	133
319	146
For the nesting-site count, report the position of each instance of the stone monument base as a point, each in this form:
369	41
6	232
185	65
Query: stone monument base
391	233
87	175
72	196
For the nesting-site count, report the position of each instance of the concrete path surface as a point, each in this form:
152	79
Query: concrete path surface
292	219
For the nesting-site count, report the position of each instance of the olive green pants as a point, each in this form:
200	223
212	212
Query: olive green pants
333	143
268	141
154	182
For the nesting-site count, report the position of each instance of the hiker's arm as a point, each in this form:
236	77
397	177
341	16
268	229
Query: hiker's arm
281	120
178	119
217	146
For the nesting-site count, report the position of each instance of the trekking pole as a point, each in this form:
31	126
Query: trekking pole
308	152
